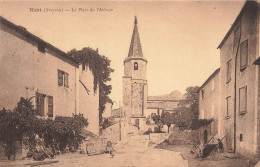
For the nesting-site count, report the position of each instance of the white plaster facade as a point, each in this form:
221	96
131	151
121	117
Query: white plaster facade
30	66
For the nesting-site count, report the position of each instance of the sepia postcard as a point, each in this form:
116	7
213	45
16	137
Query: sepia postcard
130	83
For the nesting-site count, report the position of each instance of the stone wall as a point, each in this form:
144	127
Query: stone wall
158	137
183	137
112	133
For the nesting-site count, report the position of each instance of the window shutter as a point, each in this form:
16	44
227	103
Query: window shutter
229	71
60	78
242	99
66	79
243	54
40	104
50	106
228	106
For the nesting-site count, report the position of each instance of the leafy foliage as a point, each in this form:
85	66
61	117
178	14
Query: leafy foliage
106	123
188	111
168	119
165	118
203	122
100	66
23	124
158	121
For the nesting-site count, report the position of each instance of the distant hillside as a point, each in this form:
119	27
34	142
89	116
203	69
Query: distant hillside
174	95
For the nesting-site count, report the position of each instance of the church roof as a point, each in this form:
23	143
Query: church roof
135	49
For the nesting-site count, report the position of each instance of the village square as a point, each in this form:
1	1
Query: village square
58	108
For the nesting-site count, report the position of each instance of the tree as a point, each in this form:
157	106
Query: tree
100	66
188	110
158	121
168	119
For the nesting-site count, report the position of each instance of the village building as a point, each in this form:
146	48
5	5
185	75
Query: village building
163	103
56	83
209	107
235	102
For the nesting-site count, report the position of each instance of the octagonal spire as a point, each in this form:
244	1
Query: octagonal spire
135	49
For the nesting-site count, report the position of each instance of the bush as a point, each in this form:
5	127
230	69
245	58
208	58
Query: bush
158	130
22	124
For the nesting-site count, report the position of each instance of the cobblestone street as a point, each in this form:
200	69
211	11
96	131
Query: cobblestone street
133	153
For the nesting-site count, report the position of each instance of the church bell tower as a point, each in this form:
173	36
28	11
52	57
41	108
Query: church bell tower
134	81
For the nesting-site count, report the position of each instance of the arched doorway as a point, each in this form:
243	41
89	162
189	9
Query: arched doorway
205	136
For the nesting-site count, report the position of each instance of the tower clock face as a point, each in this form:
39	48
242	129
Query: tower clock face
137	99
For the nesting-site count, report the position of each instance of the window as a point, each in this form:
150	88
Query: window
41	47
44	105
66	80
205	136
202	94
63	78
229	71
60	78
50	106
135	66
137	122
228	103
236	36
40	98
242	100
244	55
241	137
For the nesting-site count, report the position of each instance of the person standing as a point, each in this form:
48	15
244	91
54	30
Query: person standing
220	146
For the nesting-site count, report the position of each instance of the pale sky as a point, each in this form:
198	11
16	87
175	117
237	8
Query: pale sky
179	39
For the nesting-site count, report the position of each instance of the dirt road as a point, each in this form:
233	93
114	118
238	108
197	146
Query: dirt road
134	152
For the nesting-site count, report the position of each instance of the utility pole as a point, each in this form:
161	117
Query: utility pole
120	137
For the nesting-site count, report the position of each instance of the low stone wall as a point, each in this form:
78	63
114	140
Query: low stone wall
94	146
183	137
111	133
158	137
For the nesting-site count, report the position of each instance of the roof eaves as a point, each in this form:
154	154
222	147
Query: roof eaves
209	78
234	23
34	38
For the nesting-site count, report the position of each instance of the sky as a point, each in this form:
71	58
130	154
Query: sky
178	38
